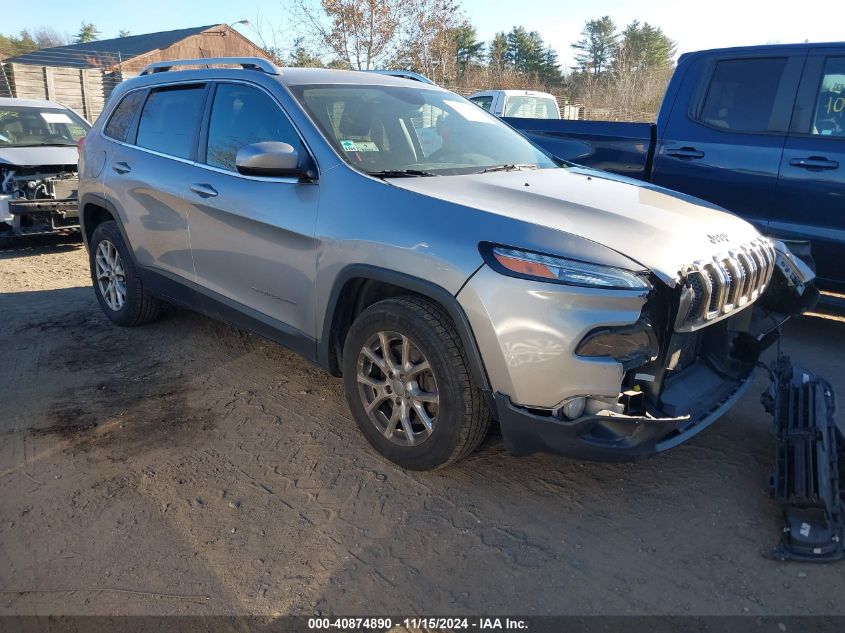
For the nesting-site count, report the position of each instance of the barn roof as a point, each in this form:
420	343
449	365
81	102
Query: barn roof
106	52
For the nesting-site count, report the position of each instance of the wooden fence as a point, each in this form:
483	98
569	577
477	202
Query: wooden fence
86	90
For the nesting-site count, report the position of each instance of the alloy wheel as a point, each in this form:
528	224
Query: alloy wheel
111	278
398	388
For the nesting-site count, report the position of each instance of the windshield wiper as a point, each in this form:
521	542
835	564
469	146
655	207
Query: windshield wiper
400	173
507	168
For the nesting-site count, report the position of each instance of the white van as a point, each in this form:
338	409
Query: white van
524	104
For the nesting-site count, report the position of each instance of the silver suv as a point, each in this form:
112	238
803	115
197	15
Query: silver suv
401	237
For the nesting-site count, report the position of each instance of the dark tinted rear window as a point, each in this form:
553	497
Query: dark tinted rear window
118	125
742	92
169	119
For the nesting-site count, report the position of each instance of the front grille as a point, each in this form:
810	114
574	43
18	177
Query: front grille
726	283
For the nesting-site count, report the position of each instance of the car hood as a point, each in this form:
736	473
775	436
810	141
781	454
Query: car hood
38	156
659	229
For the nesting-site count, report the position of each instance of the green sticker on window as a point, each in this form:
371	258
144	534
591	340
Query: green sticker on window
348	146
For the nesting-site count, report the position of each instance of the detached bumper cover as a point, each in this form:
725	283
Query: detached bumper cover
607	437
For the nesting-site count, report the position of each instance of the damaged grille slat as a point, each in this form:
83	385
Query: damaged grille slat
726	283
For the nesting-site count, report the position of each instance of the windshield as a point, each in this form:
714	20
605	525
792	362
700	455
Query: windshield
528	107
417	131
23	126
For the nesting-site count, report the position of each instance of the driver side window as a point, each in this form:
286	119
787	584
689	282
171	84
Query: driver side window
242	115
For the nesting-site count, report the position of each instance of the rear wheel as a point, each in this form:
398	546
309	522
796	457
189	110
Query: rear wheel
118	287
409	387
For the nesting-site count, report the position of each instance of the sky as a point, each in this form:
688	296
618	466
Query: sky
693	25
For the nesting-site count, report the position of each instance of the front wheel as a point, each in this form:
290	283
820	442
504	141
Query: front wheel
409	387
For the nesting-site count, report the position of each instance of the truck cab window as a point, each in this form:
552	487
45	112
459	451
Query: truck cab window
483	102
829	119
741	94
242	115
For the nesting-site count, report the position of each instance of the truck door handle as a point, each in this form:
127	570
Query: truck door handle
204	190
121	167
814	162
684	152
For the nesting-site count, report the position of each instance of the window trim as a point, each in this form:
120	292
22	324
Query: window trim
202	141
804	112
172	86
784	96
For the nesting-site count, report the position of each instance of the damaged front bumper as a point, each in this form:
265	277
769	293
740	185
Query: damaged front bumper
696	377
613	436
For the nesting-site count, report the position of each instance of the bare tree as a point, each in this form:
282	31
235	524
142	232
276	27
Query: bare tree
361	34
430	40
47	37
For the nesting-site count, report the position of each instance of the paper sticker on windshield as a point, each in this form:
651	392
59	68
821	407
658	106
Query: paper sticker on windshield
366	146
348	146
55	117
470	111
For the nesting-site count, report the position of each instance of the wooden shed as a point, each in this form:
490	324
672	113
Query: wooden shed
82	76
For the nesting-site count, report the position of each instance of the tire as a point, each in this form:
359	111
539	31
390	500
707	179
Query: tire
459	420
137	307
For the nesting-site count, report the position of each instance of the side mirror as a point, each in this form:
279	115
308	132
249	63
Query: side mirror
270	158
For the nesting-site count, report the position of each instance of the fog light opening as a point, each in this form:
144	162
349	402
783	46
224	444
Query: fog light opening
573	407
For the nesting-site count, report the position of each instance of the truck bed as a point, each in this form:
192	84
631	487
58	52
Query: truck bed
623	148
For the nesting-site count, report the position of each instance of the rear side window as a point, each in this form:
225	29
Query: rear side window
484	102
242	115
741	95
829	119
121	119
169	119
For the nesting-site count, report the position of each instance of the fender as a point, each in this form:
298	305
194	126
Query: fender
413	284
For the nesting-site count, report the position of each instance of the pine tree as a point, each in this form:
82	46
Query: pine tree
597	46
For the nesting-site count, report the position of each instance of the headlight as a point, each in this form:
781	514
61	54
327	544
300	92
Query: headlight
518	263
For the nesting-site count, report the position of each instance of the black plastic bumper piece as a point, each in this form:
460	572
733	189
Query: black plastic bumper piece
601	437
808	450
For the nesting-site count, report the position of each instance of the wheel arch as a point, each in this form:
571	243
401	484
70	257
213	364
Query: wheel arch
360	285
94	210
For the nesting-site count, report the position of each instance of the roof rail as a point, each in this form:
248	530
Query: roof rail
249	63
404	74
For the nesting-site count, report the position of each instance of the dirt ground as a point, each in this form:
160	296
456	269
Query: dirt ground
188	467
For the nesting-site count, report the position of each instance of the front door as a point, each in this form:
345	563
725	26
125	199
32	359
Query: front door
811	189
252	237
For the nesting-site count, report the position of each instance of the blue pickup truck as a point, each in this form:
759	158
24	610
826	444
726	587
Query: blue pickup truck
757	130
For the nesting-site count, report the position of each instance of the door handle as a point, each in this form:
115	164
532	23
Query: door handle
684	152
204	190
814	162
121	167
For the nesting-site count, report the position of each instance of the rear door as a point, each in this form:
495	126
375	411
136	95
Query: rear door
811	190
148	163
252	237
724	143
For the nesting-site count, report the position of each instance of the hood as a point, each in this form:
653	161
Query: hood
38	156
662	230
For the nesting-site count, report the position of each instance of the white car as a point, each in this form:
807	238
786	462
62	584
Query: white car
524	104
38	173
